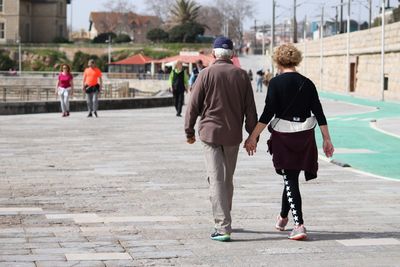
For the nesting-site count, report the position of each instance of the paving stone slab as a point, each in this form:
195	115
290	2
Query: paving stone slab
97	256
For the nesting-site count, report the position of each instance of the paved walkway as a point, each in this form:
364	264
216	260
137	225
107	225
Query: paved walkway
125	190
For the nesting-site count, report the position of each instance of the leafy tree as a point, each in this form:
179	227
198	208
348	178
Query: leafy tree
61	40
236	12
81	59
185	11
160	8
122	38
157	35
186	33
6	62
103	37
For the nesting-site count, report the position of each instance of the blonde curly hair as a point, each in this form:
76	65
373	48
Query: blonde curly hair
287	56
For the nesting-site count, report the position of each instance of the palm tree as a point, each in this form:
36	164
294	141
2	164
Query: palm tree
185	11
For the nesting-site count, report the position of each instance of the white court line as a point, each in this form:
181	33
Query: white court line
367	119
349	119
375	127
321	157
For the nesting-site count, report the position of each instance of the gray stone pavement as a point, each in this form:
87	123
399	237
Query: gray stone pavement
126	190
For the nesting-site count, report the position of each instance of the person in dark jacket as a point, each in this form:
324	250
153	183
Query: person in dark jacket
222	98
291	98
178	80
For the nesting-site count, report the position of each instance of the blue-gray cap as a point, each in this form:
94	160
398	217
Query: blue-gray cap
223	42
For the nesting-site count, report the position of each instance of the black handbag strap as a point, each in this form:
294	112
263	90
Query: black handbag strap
290	105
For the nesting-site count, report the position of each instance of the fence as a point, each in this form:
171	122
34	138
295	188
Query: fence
19	93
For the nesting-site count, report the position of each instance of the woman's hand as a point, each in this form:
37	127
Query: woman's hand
328	148
251	146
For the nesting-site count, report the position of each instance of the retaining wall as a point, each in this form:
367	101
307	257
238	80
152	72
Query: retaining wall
13	108
365	54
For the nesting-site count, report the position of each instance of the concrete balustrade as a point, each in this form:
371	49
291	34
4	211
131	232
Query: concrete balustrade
365	61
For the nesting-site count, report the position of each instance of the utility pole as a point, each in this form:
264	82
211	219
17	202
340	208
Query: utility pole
71	21
341	17
370	13
272	44
336	21
348	46
383	51
305	44
255	35
294	22
321	34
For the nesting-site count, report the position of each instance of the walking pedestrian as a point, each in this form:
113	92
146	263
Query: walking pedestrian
65	88
259	80
223	97
291	98
195	73
250	73
178	80
92	86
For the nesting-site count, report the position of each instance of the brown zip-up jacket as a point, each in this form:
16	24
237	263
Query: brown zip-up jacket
223	98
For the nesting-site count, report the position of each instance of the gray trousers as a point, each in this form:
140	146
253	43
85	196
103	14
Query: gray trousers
220	165
64	98
92	101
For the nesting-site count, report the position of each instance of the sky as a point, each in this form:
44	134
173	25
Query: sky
284	11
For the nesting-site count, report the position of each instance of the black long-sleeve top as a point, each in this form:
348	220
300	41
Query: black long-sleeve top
282	89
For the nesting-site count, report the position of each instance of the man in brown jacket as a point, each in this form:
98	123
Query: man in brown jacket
223	98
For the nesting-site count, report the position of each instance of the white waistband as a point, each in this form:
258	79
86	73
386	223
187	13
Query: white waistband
285	126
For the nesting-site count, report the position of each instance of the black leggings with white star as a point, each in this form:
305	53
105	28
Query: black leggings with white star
291	198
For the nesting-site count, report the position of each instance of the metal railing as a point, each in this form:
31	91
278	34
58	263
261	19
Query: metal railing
22	93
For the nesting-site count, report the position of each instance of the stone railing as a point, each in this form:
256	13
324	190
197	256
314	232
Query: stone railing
21	91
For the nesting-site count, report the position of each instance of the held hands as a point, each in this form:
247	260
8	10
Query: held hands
328	148
251	146
191	140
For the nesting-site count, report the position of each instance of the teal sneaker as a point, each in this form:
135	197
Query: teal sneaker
220	237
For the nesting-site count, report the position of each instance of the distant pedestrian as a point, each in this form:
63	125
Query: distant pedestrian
259	80
195	73
92	86
267	77
223	98
291	98
250	73
65	88
178	80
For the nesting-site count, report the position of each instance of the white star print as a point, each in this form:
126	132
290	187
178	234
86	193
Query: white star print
288	194
286	182
292	206
290	199
288	188
294	212
296	218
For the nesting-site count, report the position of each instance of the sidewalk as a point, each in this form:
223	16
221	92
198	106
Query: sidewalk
126	190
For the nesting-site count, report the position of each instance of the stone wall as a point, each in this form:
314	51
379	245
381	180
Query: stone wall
13	108
365	54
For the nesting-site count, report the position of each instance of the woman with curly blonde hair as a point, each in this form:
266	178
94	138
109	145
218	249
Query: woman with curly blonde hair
291	99
65	88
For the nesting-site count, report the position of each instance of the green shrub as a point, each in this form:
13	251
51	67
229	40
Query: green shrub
122	38
186	33
6	62
157	35
103	37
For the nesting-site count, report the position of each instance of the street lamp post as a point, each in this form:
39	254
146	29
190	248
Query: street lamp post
109	49
272	44
321	50
305	44
19	56
348	47
383	51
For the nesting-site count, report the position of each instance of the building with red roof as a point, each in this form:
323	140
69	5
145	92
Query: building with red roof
138	63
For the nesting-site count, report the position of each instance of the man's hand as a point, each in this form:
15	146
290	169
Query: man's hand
191	140
251	146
